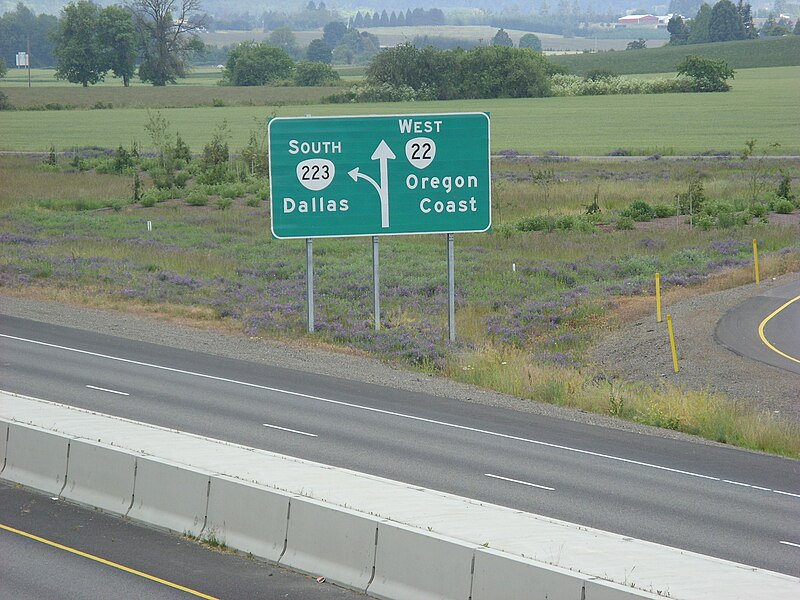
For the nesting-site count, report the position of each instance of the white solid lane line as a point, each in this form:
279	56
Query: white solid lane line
790	544
376	410
536	485
290	430
94	387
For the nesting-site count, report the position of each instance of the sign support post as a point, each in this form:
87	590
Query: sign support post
376	281
310	283
451	287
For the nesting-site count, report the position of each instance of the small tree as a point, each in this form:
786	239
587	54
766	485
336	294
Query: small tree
531	41
501	38
639	44
309	74
319	51
709	74
251	63
678	31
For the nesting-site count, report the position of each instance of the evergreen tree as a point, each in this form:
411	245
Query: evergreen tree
698	27
501	38
746	18
384	22
678	31
724	24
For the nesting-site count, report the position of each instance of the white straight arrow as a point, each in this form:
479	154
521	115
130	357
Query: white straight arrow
382	154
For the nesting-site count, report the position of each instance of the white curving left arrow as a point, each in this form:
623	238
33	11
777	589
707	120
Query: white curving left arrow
382	154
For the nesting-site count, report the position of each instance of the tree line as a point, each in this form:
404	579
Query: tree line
724	22
409	18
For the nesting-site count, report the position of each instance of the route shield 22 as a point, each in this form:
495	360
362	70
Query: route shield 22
379	175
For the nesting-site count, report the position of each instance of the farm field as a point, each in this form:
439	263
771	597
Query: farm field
749	54
762	105
392	36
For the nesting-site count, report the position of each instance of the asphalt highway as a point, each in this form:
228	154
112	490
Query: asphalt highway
52	550
766	328
720	501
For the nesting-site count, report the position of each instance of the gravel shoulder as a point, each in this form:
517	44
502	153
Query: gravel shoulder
637	350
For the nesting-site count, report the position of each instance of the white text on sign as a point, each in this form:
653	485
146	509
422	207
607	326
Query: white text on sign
296	147
416	126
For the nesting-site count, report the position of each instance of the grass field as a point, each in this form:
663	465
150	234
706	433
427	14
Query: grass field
762	105
750	54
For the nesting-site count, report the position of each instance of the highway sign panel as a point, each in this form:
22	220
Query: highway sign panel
379	175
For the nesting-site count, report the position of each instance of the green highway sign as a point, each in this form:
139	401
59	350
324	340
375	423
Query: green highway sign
379	175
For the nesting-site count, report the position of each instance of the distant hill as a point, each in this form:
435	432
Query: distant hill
746	54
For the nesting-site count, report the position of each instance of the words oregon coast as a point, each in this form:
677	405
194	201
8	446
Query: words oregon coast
379	175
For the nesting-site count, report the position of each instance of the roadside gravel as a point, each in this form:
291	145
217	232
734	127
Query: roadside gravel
640	351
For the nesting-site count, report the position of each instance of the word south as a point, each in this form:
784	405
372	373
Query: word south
315	205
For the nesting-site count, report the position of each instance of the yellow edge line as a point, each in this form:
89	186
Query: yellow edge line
107	562
764	338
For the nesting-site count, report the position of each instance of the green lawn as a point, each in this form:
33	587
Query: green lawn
761	105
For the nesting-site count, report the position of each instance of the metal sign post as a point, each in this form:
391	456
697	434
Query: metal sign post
376	283
451	287
310	283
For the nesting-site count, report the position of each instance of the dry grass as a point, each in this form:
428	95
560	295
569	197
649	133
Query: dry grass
18	187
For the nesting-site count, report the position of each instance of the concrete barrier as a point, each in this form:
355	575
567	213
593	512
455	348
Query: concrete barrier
600	589
100	476
248	517
411	564
36	458
169	495
499	576
334	542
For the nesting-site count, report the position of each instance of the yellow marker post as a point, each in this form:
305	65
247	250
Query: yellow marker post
658	297
672	344
755	260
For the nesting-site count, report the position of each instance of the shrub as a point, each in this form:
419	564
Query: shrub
600	75
638	210
704	222
784	206
536	223
662	211
254	201
4	103
785	187
708	74
308	74
757	209
224	203
197	197
624	223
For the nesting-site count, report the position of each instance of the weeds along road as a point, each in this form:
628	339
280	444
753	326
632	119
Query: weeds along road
720	501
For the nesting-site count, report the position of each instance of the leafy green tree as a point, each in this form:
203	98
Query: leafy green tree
709	74
725	24
501	38
334	31
308	74
117	35
678	31
80	57
531	41
356	47
502	72
284	38
640	44
698	27
251	63
166	38
319	51
2	68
